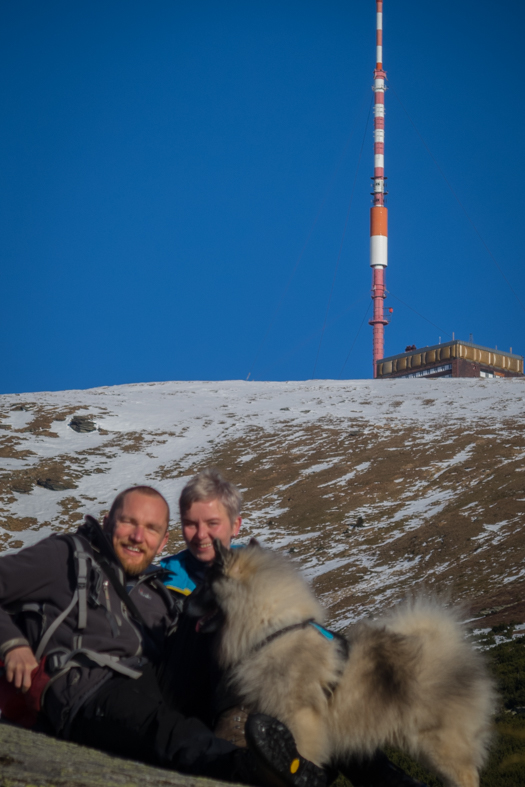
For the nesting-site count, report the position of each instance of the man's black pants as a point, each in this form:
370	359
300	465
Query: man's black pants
130	718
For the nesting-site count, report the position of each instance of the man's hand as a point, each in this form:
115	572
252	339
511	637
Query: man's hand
19	664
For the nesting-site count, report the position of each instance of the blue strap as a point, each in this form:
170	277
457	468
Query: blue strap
327	634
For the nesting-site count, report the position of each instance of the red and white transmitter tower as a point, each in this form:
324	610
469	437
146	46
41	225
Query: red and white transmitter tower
378	211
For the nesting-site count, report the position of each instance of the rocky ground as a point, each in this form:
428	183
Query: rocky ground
29	759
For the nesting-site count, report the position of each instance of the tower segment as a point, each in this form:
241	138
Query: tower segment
378	211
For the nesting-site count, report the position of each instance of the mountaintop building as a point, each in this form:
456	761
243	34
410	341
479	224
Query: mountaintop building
451	359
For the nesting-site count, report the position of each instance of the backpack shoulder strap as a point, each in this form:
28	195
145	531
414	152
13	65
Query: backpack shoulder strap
168	597
79	595
82	557
54	625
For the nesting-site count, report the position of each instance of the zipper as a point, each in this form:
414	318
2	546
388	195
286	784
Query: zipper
105	585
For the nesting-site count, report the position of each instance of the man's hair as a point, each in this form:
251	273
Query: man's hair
118	502
209	484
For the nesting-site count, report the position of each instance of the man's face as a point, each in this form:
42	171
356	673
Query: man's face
140	531
204	521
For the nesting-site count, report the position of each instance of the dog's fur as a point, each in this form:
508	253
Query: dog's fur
411	679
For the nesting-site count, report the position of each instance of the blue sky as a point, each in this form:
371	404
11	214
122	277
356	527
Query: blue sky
176	177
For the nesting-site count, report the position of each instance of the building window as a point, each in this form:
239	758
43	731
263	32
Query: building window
447	367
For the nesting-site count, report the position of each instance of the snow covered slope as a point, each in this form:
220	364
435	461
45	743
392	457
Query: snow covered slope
374	487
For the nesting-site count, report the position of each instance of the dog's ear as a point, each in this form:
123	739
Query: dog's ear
221	553
254	543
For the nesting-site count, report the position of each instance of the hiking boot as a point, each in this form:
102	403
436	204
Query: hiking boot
274	749
377	771
230	725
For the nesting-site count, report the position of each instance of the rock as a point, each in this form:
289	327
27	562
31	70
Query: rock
30	758
56	484
83	423
492	610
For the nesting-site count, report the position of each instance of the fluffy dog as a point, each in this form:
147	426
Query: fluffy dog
410	680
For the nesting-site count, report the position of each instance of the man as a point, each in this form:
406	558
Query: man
89	609
138	524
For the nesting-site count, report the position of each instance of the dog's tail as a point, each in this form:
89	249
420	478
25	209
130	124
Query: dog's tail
450	671
429	618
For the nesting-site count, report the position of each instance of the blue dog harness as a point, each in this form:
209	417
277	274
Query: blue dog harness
327	634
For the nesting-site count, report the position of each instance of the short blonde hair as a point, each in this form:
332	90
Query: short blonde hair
209	484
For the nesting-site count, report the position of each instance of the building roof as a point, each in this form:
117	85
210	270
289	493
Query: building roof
452	343
424	359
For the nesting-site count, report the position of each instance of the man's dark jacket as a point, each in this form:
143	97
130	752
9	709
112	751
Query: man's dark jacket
45	576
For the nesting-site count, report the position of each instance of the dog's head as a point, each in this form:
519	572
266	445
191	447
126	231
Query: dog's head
249	593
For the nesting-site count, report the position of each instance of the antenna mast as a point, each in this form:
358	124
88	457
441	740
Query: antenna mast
378	211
